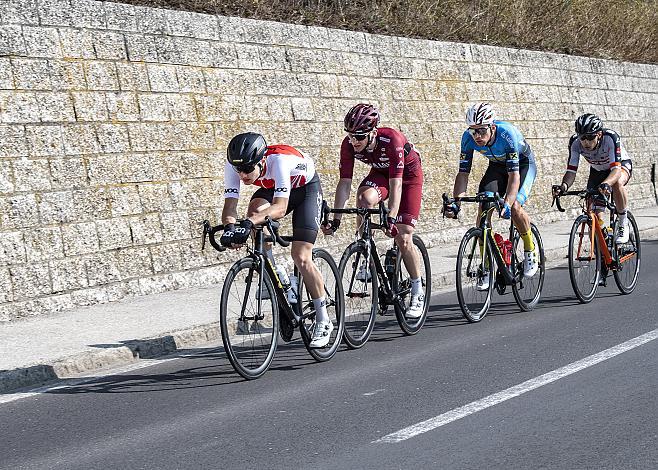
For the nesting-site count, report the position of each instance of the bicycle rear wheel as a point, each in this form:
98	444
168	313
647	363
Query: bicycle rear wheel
402	287
249	336
472	269
584	259
528	290
333	292
627	256
360	287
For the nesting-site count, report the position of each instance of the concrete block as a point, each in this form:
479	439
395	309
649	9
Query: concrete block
68	173
101	75
175	225
30	280
119	16
44	140
18	107
132	77
12	248
31	74
67	75
153	107
162	78
192	24
154	197
6	290
364	65
151	20
134	263
302	109
68	274
89	106
80	139
141	48
181	107
122	106
55	107
57	207
54	12
87	14
109	45
190	80
21	12
12	41
166	258
273	58
102	268
13	141
146	229
80	238
6	177
19	210
76	43
31	175
42	42
113	138
114	233
125	200
92	204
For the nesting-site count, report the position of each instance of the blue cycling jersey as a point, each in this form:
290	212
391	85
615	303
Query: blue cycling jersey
509	148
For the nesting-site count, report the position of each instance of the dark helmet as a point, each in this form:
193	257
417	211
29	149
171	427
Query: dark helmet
588	124
246	150
361	119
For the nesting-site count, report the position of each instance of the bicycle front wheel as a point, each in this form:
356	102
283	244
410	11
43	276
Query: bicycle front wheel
627	256
333	294
248	319
474	275
402	287
359	281
584	259
528	290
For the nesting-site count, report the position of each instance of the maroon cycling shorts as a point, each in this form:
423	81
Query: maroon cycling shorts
412	194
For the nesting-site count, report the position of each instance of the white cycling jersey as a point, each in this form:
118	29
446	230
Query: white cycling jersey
607	155
284	168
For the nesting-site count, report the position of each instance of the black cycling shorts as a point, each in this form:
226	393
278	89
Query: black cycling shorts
496	176
305	203
596	177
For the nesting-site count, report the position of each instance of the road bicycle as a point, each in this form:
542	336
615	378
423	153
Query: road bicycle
481	255
594	252
254	305
371	285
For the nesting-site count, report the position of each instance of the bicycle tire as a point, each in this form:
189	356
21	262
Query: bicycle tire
335	306
468	274
527	298
250	345
633	246
402	287
583	274
361	297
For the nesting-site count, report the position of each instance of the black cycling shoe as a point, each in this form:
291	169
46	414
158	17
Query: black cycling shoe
286	329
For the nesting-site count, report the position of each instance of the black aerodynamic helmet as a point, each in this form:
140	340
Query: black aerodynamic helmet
588	124
246	150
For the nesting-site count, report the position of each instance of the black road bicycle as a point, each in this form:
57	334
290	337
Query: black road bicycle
371	286
594	252
254	305
479	256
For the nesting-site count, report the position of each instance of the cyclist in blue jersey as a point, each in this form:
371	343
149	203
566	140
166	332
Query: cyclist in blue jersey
511	173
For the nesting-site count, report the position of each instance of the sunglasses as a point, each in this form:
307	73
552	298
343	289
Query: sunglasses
244	168
358	137
481	131
587	137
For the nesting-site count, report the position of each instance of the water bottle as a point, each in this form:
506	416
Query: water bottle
292	292
389	261
505	247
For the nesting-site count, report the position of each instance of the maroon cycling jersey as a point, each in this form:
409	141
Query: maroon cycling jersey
393	156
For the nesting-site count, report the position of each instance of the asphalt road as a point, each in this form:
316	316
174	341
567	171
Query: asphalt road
195	412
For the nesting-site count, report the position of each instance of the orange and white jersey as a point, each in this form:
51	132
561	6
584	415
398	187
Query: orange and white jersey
284	168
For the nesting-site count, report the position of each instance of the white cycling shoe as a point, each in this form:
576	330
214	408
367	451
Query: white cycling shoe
530	263
623	233
321	334
416	306
483	282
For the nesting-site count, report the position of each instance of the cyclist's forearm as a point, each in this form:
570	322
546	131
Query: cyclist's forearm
513	183
394	196
229	211
568	178
343	191
461	185
274	211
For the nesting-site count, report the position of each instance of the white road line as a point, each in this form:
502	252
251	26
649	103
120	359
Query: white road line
515	391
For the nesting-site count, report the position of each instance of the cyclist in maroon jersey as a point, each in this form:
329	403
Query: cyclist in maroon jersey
395	175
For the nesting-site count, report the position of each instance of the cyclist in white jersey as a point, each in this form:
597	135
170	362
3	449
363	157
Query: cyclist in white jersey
610	166
288	183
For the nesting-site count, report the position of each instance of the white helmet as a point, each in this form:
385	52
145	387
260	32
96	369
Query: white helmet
480	114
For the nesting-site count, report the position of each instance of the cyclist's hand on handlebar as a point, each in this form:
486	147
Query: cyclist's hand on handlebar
241	233
505	211
330	227
605	189
450	209
227	237
558	189
391	227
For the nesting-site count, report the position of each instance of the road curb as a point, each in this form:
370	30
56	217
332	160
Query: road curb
131	351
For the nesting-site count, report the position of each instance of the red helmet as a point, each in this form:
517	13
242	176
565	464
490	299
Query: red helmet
361	119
